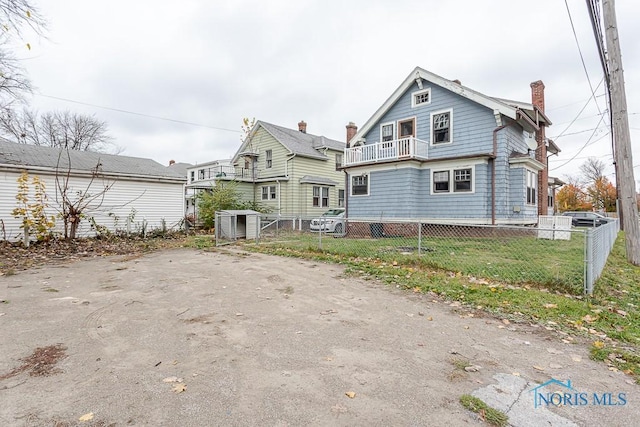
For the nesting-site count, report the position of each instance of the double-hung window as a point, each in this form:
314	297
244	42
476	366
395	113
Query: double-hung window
532	187
269	192
441	127
453	181
320	196
360	185
386	131
269	159
462	180
338	162
441	182
340	198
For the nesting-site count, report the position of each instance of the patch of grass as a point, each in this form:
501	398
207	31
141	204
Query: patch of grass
200	241
490	415
611	315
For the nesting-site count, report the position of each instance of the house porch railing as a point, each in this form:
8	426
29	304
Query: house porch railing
397	149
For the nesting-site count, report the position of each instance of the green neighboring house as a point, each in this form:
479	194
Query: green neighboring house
292	172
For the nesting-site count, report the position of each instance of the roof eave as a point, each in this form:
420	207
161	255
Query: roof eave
420	73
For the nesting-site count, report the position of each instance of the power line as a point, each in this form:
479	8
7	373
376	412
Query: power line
582	110
589	142
138	114
584	66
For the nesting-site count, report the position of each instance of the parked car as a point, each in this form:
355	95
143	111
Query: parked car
587	219
332	221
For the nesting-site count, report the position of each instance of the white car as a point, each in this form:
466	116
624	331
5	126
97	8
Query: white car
332	221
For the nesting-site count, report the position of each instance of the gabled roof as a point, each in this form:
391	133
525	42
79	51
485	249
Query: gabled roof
16	155
298	143
180	167
512	109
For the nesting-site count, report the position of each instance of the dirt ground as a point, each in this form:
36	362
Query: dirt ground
184	337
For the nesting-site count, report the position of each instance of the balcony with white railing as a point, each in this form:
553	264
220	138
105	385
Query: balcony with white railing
397	149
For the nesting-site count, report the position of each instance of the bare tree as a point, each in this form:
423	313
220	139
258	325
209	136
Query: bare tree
73	204
16	16
61	129
593	169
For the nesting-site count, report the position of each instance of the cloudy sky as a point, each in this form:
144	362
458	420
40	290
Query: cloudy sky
183	74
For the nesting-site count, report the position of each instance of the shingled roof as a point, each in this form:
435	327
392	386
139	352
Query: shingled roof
300	143
14	155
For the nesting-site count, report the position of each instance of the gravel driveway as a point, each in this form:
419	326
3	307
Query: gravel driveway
195	338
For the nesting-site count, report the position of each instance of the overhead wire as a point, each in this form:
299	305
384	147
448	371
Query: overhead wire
151	116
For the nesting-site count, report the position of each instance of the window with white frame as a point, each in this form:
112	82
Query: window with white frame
462	180
193	176
201	174
360	185
338	162
441	182
532	187
269	159
269	192
340	198
441	127
386	132
421	97
453	180
320	196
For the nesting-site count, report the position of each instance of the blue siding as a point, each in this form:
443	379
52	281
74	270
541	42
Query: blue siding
406	192
392	194
472	123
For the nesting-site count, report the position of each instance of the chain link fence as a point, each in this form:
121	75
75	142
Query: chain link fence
552	255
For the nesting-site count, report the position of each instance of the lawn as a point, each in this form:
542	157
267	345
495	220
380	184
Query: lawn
556	264
523	279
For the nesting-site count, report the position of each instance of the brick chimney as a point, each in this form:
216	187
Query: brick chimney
537	99
302	126
172	162
352	129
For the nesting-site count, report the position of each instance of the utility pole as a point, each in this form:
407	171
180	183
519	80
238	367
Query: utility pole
622	136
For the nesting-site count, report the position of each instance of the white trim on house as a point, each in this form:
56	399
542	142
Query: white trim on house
431	127
491	103
526	161
393	130
418	93
451	171
367	176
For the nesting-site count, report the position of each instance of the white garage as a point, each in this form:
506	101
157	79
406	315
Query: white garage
120	193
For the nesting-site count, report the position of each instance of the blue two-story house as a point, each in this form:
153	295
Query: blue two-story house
439	151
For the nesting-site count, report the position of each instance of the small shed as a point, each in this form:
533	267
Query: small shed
237	224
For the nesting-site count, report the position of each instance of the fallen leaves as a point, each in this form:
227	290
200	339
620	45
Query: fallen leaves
86	417
550	306
350	394
179	388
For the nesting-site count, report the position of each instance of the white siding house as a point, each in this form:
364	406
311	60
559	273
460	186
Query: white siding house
141	194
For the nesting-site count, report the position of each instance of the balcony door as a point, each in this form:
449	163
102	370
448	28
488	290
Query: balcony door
406	133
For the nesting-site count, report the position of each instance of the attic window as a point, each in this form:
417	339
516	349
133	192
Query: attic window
421	97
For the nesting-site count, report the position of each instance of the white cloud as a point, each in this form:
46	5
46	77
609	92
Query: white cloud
327	62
